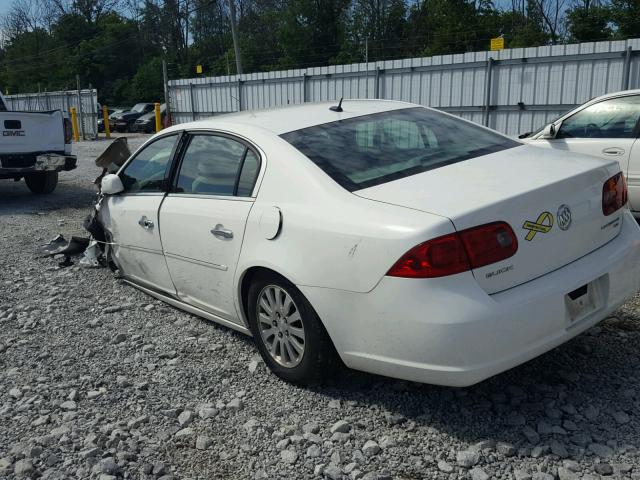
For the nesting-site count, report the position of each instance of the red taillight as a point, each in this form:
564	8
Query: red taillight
68	130
458	252
614	194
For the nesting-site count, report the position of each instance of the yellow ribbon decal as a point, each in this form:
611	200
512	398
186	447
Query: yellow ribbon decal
542	225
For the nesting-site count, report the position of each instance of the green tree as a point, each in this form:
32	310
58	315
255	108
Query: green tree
626	15
589	23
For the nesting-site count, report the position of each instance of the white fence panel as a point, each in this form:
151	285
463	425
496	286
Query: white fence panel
513	91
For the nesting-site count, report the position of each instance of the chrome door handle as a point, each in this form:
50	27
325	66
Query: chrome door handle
220	232
613	151
144	222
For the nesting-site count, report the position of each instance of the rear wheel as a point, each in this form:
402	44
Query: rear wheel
44	182
288	333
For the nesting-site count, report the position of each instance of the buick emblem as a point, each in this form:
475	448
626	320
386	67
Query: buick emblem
564	217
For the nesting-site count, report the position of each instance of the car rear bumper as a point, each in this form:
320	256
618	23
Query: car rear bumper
448	331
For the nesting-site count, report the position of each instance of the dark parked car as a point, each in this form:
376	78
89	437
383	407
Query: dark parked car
113	116
124	120
147	122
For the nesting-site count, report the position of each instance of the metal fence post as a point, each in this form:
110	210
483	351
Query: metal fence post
193	103
240	82
626	69
94	113
305	85
80	109
487	91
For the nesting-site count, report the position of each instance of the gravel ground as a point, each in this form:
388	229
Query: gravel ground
99	380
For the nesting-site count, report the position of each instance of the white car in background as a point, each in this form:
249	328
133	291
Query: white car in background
402	240
607	127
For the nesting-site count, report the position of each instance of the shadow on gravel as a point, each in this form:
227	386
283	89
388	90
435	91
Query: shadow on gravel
582	392
15	198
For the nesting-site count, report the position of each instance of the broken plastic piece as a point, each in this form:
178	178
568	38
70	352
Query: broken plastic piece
53	246
112	158
114	155
61	245
91	256
95	228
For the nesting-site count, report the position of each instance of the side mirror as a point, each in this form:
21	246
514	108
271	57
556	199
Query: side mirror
111	184
550	131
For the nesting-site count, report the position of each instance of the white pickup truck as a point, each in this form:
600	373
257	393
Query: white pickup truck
35	146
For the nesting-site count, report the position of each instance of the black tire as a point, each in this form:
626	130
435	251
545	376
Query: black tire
319	359
42	183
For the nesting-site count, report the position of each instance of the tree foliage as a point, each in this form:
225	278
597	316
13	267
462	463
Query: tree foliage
118	46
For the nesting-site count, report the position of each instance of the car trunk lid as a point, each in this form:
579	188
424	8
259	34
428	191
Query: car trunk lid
552	200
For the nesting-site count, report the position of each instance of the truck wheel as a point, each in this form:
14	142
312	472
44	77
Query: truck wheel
42	182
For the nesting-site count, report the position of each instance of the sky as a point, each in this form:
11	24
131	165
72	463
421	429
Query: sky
4	6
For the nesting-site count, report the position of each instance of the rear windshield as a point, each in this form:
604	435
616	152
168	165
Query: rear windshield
365	151
139	107
3	107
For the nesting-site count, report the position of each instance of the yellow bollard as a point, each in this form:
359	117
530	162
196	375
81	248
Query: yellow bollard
74	124
105	116
158	118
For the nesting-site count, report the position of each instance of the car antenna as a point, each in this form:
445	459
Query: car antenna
337	108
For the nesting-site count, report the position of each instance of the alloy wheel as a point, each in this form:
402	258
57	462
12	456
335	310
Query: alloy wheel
280	326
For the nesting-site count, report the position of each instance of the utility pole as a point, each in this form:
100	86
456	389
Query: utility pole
165	81
234	34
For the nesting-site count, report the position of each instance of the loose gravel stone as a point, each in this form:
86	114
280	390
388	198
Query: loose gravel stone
467	459
289	456
600	450
603	469
185	418
332	472
23	468
478	473
203	442
341	426
445	466
371	448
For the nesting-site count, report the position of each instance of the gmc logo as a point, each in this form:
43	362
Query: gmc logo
13	133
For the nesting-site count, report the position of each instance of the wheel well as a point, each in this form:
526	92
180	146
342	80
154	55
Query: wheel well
245	284
248	277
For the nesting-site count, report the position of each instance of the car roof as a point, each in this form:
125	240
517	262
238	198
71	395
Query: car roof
621	93
295	117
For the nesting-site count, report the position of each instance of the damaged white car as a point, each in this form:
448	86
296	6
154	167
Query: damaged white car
398	239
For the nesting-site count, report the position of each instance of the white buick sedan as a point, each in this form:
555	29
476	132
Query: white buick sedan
394	238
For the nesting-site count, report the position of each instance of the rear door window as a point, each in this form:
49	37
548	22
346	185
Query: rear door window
217	165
